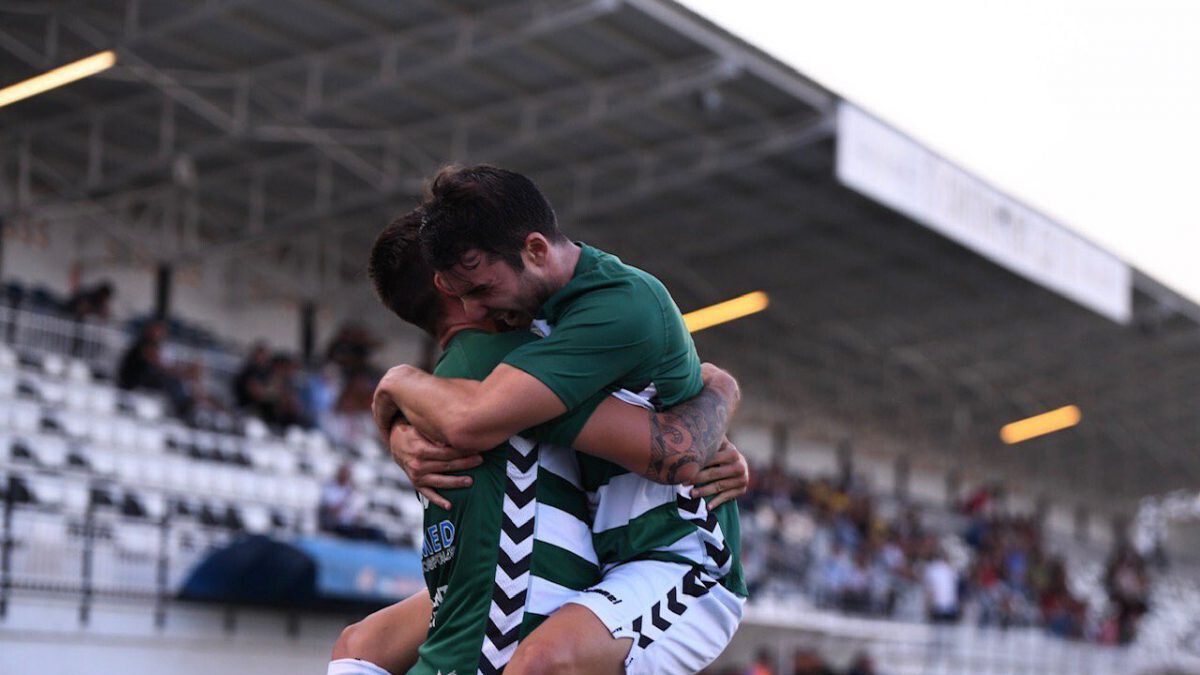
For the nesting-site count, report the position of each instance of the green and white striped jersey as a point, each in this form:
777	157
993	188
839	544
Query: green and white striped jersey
513	547
614	329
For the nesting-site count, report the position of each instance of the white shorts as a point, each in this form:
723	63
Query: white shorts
679	617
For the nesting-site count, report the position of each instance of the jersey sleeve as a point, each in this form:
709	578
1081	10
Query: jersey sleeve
600	339
564	429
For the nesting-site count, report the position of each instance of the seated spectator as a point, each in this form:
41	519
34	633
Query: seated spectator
862	664
321	390
940	581
286	407
142	367
251	385
91	302
763	664
351	349
341	507
809	662
1128	587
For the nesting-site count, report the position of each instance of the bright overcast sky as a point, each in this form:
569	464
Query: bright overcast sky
1088	110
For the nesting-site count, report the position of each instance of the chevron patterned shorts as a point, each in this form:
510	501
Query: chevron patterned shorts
678	616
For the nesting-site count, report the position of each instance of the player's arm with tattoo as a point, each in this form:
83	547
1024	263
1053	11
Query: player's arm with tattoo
685	438
668	447
683	445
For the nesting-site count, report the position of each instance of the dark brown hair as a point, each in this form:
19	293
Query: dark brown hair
486	208
402	279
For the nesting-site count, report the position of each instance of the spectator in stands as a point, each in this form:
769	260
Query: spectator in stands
142	367
351	349
940	581
341	509
808	662
764	663
862	664
251	386
91	302
1128	587
286	387
321	390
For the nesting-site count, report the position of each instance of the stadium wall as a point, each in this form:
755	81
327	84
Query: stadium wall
44	635
42	254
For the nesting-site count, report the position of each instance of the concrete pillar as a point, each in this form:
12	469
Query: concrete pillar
900	478
162	290
1082	523
308	330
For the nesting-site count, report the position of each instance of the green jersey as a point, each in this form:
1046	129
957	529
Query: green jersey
513	547
614	327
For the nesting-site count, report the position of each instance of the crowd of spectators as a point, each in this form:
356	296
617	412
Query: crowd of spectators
333	394
834	540
829	536
804	661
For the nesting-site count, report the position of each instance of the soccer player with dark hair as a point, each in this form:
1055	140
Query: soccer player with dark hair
505	553
673	588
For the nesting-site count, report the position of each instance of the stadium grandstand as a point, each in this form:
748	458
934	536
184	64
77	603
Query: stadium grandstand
189	342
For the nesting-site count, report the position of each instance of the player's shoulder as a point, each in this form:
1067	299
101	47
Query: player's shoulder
608	279
472	354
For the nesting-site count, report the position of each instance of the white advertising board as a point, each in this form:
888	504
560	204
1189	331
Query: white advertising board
887	166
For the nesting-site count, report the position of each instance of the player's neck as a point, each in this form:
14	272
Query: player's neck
564	257
455	326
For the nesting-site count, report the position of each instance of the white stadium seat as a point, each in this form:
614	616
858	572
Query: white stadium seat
24	416
255	429
317	442
295	437
224	482
256	518
151	438
8	383
104	400
48	490
54	365
79	372
78	397
324	466
284	460
136	538
154	502
50	450
179	474
102	460
53	392
124	433
8	358
146	407
128	467
100	429
76	495
152	469
266	489
362	473
247	484
75	423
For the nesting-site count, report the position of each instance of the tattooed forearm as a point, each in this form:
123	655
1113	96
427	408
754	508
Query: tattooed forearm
685	438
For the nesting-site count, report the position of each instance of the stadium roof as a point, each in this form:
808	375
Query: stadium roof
284	135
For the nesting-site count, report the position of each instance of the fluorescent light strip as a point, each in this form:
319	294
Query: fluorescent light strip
745	305
1040	425
76	70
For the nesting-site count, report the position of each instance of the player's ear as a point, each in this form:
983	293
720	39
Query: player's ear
537	249
439	282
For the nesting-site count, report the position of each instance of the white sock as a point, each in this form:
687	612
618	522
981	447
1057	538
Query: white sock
354	667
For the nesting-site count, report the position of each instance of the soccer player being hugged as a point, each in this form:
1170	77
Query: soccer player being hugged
490	579
672	589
